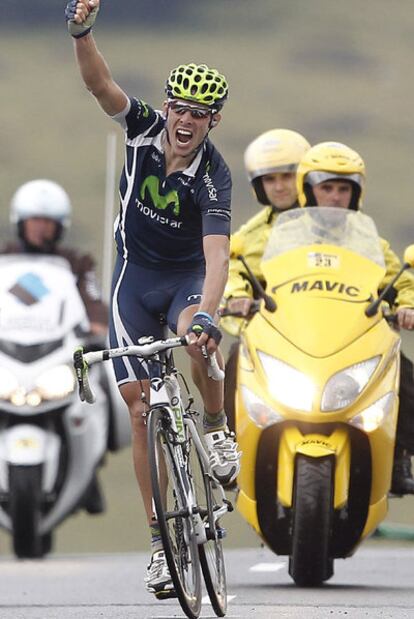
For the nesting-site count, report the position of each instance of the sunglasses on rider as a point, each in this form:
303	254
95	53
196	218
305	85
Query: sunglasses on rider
182	108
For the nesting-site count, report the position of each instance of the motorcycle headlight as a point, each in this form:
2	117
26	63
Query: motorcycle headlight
345	386
8	384
287	385
56	383
259	412
372	417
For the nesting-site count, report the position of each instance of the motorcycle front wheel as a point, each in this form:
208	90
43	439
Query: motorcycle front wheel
310	563
25	511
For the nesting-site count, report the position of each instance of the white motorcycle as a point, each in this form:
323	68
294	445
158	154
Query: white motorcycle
51	444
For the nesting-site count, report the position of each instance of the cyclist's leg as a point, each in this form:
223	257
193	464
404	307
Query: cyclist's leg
222	447
211	391
184	305
130	286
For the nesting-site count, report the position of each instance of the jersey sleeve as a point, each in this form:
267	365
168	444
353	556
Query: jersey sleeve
404	285
136	118
214	198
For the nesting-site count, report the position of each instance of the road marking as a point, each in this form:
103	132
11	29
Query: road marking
206	599
266	567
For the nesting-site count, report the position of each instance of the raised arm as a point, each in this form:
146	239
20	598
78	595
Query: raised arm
81	15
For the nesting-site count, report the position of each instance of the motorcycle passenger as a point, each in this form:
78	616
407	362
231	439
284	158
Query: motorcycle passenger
41	211
172	240
270	161
332	174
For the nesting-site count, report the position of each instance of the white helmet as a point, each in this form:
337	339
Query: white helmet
41	198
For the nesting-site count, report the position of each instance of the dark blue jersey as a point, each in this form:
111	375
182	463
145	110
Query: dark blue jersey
162	220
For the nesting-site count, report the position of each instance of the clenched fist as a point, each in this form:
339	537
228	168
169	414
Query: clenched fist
80	16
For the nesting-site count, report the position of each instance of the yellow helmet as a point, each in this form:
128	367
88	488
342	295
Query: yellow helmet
328	161
198	83
277	150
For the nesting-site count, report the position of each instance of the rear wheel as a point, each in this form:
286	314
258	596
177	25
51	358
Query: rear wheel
209	500
169	487
310	563
25	511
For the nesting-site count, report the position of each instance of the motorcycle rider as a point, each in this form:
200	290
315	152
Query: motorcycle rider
270	161
332	174
40	210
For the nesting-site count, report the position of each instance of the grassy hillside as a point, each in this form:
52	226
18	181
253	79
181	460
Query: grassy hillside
331	70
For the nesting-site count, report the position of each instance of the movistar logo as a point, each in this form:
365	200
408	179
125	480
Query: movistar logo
152	183
145	109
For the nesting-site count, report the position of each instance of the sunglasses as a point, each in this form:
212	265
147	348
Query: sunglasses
182	108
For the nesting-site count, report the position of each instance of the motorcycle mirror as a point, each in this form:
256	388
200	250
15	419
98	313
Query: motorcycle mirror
409	255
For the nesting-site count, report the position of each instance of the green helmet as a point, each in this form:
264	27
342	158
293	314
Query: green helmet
197	83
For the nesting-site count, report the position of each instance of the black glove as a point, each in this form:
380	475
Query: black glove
203	323
79	30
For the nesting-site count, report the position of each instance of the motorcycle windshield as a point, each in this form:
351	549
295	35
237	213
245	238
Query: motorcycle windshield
325	225
39	305
323	265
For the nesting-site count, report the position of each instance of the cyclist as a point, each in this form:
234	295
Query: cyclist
270	161
332	174
41	211
172	241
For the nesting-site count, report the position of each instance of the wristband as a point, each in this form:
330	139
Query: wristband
205	314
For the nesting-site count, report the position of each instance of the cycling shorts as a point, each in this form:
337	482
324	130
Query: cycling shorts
140	297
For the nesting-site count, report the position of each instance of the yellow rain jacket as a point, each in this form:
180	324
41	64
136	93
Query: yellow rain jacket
250	241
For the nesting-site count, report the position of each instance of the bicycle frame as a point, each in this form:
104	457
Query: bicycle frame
165	394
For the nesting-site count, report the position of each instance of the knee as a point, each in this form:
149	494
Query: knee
137	415
136	407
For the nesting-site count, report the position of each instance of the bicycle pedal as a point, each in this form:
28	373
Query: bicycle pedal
221	533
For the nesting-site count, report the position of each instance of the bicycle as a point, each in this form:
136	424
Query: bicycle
188	501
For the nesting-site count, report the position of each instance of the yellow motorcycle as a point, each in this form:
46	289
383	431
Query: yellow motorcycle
317	391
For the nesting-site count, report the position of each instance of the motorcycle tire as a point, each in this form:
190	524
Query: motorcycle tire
310	563
25	511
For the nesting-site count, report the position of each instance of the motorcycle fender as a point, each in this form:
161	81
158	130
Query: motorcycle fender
293	442
24	445
28	445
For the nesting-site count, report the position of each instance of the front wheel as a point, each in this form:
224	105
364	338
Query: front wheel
170	486
209	500
310	563
25	511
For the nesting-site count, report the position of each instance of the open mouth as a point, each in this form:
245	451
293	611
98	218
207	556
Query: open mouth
183	136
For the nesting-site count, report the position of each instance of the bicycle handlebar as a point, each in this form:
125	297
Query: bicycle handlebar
81	370
82	361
